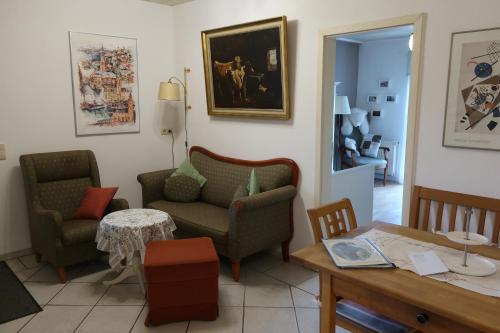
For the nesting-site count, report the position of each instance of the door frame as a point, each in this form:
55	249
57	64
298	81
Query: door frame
325	101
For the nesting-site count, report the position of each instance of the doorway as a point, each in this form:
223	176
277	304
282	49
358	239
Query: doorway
380	104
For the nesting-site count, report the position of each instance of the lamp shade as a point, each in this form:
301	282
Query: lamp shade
169	91
341	105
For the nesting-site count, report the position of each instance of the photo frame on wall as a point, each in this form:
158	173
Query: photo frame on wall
246	69
372	99
105	84
391	98
472	110
384	83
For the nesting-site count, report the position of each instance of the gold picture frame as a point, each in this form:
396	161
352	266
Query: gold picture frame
246	69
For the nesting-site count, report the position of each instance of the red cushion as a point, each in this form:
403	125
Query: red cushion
94	202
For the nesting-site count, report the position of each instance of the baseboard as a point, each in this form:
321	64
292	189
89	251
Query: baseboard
16	254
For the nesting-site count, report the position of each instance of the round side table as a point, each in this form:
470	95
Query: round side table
125	233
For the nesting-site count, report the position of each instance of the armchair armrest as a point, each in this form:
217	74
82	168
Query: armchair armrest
152	185
343	149
49	223
116	205
385	150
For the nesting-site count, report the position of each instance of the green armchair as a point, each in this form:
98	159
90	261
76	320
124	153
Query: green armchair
239	227
55	184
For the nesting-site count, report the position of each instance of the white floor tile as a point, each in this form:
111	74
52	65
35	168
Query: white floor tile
57	319
231	295
79	294
254	278
43	291
15	325
230	321
301	299
270	320
308	320
96	271
30	261
110	319
123	294
291	273
15	265
139	327
26	273
270	296
46	274
311	285
261	262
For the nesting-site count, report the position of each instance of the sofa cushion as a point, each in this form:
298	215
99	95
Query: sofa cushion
181	189
197	218
94	202
363	160
223	178
79	231
187	169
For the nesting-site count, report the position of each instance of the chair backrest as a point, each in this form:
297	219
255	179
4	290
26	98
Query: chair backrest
58	180
332	219
439	210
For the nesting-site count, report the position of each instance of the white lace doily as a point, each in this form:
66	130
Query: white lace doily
397	248
123	232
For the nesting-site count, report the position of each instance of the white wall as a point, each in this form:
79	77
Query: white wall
36	110
382	60
436	166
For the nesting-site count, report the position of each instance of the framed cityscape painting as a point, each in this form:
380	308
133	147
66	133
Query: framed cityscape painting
246	72
473	98
105	84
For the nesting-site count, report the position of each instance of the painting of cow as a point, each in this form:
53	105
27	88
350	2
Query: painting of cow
246	70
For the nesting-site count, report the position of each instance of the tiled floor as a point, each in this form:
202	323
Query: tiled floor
387	202
272	297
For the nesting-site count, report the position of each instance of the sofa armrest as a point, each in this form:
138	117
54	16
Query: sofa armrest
264	199
152	184
116	205
260	221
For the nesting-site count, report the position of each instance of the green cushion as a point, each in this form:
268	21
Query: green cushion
181	189
253	185
187	169
241	192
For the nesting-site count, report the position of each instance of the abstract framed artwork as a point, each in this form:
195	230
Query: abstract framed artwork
372	99
473	97
105	84
246	69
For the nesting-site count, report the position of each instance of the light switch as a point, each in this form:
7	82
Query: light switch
2	151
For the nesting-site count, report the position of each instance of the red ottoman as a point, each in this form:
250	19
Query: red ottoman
182	278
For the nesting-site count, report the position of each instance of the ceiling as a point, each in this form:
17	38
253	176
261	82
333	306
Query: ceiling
379	34
169	2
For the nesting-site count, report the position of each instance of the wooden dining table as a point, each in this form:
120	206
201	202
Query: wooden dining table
420	302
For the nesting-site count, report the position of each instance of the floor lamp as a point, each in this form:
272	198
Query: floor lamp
170	91
341	107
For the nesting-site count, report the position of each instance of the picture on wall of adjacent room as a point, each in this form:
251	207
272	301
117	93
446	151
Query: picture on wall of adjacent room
246	72
473	98
105	84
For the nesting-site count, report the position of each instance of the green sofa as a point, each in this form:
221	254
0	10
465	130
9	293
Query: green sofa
238	228
55	184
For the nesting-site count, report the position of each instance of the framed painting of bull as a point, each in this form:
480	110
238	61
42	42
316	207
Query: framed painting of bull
246	71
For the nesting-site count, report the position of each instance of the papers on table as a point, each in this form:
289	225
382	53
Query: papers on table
427	263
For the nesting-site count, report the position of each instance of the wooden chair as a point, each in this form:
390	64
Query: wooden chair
425	201
333	220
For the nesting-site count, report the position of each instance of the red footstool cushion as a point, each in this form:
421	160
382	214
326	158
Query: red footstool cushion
182	278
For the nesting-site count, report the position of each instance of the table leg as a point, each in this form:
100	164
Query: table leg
328	302
134	270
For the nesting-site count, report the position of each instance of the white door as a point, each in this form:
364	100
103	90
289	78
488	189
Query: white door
355	184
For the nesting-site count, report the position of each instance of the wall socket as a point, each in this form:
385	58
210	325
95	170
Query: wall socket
166	131
2	152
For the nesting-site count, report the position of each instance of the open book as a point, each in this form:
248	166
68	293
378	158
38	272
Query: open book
356	253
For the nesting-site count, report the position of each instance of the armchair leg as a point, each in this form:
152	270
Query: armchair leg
285	250
235	265
385	176
62	274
